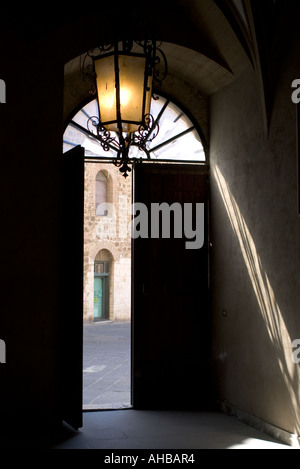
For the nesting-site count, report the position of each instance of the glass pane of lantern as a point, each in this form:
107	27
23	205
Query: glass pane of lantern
132	75
105	75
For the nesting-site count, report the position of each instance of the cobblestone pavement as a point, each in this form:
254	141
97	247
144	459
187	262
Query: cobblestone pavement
106	365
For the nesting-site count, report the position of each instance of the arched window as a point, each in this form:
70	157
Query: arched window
178	138
101	195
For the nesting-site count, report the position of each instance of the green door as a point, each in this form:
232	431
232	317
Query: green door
98	298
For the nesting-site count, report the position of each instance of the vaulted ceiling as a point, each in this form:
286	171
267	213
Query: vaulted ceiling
199	42
208	43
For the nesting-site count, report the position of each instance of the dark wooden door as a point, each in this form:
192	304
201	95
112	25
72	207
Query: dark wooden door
171	324
71	287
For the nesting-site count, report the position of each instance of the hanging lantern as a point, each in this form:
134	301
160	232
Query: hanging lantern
124	82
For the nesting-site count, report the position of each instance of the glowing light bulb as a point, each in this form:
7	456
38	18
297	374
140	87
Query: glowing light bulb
124	96
108	100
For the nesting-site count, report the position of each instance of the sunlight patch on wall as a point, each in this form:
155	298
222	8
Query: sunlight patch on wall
265	296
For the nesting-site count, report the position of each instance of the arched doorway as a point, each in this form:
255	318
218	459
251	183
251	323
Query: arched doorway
179	141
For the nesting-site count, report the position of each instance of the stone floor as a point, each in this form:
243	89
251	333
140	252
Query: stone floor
106	377
138	429
106	387
120	432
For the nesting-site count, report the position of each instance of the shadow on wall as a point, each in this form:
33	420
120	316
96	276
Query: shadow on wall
265	296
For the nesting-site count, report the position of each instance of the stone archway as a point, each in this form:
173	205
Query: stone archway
120	281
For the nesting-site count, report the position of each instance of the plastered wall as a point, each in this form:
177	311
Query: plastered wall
255	252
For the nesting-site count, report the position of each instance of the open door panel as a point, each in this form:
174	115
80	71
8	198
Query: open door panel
71	287
171	325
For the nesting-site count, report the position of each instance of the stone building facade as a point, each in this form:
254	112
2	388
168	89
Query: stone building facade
107	243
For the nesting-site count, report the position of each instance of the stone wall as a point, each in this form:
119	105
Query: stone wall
109	233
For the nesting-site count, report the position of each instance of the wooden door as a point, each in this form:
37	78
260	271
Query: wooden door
71	287
171	324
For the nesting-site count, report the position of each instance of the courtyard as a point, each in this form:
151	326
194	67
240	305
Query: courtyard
106	365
